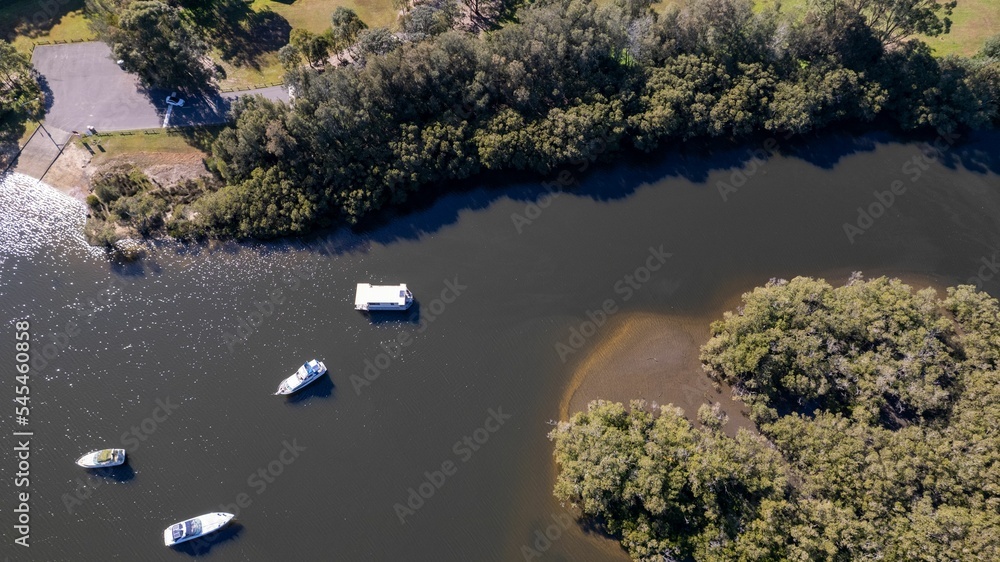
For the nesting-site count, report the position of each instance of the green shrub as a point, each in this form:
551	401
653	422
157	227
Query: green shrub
99	232
94	202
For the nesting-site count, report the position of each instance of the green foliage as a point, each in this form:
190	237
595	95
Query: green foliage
375	41
315	48
991	48
289	56
345	27
873	351
564	82
820	95
580	133
727	30
21	97
115	182
485	15
661	485
841	36
430	18
877	408
944	95
94	202
125	198
99	232
892	21
154	40
978	315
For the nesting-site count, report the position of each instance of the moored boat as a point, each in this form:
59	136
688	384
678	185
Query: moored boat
306	374
382	297
102	458
195	527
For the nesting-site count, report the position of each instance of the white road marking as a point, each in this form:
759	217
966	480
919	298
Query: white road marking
166	118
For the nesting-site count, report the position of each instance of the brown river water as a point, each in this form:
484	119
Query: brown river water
427	440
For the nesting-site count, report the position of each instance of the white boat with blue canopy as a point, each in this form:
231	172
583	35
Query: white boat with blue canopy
102	458
306	374
195	527
382	297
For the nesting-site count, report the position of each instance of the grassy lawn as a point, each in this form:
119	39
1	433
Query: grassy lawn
311	15
29	129
267	71
25	21
185	140
314	15
973	22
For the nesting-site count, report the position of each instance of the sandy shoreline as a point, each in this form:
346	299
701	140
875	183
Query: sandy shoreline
71	172
653	358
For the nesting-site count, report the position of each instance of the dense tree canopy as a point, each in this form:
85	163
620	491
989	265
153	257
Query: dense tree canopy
872	351
154	41
667	489
565	81
345	27
878	411
314	47
20	95
894	20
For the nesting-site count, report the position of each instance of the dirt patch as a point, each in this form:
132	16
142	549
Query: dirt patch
72	171
69	173
164	168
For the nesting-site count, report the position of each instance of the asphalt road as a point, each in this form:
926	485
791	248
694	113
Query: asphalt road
87	88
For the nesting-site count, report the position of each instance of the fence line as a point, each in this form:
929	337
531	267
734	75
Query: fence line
59	42
158	131
253	87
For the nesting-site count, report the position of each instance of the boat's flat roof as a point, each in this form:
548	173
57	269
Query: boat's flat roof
368	293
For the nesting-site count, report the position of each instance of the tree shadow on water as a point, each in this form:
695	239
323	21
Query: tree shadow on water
826	150
610	177
976	152
617	178
436	206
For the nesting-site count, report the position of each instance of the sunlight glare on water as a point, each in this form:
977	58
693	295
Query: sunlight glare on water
35	217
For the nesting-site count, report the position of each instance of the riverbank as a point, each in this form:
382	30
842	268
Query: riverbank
156	328
654	358
166	159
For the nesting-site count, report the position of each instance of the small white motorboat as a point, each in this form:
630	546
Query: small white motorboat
382	297
195	527
306	374
102	458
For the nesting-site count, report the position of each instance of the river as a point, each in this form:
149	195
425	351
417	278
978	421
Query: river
427	441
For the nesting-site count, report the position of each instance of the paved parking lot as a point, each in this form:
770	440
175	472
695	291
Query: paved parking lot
87	88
